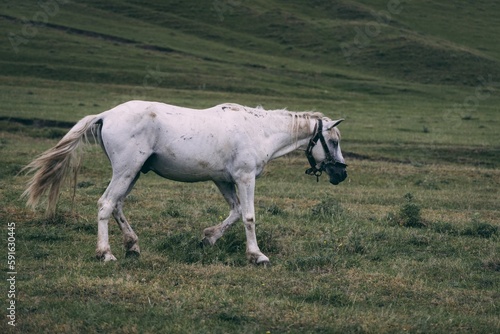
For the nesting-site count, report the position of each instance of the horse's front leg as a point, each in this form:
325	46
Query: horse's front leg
246	189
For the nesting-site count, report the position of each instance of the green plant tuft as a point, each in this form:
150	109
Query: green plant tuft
481	230
408	214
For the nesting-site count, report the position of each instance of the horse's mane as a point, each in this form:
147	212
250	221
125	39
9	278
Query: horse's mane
260	110
300	114
298	119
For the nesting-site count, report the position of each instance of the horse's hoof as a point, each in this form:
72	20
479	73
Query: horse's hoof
106	257
132	253
264	264
263	260
258	259
206	242
212	234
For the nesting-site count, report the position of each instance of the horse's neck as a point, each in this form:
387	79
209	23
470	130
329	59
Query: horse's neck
294	133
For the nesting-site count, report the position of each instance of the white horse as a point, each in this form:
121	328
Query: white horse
228	144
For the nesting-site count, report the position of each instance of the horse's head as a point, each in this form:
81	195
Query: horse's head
327	156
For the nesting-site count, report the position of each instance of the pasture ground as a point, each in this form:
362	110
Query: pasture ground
344	258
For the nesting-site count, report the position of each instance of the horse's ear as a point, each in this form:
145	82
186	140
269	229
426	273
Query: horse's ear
332	124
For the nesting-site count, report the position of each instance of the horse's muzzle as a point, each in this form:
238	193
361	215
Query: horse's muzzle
337	172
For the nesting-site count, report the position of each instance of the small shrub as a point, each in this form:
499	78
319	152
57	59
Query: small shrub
408	215
481	230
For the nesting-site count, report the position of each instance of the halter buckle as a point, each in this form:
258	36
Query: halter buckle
313	171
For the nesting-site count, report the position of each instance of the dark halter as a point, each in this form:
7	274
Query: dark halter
329	160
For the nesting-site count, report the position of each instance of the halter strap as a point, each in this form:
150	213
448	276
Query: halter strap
314	170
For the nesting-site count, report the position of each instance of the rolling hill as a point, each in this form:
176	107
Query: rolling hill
378	62
262	47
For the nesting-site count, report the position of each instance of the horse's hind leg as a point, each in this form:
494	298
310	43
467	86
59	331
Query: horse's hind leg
110	203
130	239
228	190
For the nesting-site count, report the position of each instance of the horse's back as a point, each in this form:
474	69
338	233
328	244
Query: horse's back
135	113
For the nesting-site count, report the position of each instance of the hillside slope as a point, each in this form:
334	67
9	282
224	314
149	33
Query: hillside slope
263	47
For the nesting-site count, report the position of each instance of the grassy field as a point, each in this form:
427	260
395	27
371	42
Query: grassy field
408	243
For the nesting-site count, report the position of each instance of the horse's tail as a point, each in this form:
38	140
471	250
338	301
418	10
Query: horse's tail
53	166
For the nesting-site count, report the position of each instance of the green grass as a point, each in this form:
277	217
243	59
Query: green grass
408	243
339	261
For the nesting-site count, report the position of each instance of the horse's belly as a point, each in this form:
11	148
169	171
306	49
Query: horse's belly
187	170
